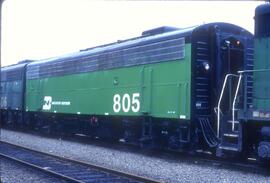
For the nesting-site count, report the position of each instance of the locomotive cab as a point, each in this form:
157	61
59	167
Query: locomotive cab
231	61
227	49
232	55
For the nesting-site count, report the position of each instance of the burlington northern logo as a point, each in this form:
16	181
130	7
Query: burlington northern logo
47	103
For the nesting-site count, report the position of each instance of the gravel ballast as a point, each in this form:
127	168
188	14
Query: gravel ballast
16	173
136	163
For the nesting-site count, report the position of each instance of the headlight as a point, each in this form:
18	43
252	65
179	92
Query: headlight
206	66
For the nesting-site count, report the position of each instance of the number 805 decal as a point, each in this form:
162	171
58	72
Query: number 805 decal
126	102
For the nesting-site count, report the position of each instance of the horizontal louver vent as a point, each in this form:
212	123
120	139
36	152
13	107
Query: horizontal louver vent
144	53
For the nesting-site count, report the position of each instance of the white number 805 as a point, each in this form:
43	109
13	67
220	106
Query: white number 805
126	103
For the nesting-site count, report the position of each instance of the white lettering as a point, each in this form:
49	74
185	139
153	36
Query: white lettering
116	103
126	103
47	103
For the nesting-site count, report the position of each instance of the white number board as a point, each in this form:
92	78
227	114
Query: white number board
126	103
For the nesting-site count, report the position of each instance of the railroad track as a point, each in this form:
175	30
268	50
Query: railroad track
65	168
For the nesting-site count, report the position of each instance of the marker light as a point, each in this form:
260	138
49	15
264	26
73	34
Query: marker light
227	42
206	66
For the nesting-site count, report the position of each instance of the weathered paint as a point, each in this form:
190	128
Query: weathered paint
11	93
12	87
163	89
261	93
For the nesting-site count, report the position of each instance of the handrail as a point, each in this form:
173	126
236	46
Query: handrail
234	100
240	76
255	70
220	98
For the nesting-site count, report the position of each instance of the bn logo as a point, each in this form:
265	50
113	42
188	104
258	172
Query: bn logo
47	103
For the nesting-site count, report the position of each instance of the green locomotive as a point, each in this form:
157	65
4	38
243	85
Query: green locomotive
161	89
201	88
257	117
262	62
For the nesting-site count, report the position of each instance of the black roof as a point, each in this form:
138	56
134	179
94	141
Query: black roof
262	21
13	72
262	9
135	51
149	48
159	30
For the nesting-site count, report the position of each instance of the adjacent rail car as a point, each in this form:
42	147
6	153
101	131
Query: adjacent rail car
257	116
261	89
12	92
158	90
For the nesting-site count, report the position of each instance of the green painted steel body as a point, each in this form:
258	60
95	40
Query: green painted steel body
12	87
160	90
11	93
261	93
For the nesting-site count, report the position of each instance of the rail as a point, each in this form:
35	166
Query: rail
65	168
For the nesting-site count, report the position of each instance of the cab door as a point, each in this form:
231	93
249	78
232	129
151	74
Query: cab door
230	60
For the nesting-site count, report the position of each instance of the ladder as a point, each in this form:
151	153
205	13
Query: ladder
229	130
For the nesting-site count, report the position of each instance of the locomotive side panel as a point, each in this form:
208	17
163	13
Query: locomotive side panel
12	87
261	84
130	91
12	93
261	97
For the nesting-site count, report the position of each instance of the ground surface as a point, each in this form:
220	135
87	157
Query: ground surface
15	173
167	170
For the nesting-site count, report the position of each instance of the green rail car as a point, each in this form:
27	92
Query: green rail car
172	75
149	75
262	74
260	110
160	89
12	87
203	88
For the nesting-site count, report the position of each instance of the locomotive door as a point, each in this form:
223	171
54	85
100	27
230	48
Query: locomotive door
147	73
230	61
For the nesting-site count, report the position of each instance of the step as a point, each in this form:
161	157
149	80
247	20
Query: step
233	135
228	148
231	121
202	60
